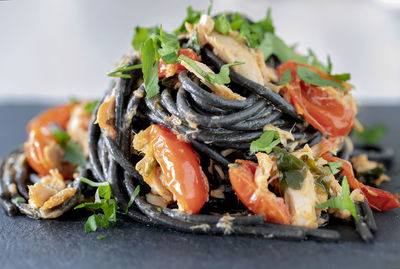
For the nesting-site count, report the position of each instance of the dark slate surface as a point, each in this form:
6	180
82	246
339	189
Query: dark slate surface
27	243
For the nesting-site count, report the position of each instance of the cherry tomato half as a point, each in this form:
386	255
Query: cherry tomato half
326	110
181	168
40	156
378	199
168	70
258	200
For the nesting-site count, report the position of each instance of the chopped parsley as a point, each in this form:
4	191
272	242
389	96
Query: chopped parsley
334	167
222	24
72	151
286	77
89	107
102	201
266	142
343	201
371	135
134	194
120	71
221	78
292	170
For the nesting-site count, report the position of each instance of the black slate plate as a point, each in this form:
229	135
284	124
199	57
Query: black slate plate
62	243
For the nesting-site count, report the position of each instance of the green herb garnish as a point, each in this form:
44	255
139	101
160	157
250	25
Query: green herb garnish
341	202
101	237
371	135
17	200
321	174
134	194
89	107
292	170
72	151
334	167
142	34
286	77
311	77
119	72
102	201
150	67
266	142
222	24
221	78
192	17
169	47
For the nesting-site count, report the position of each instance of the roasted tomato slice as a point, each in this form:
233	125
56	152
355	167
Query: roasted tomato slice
180	167
42	151
168	70
328	110
378	199
258	200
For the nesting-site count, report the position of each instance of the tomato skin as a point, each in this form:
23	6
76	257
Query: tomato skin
330	114
256	199
378	199
39	136
181	168
168	70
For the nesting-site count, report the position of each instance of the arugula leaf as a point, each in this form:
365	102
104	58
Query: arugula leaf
222	24
292	170
334	167
169	47
221	78
286	77
266	142
60	135
150	68
89	107
73	154
192	17
311	77
371	135
94	221
341	202
134	194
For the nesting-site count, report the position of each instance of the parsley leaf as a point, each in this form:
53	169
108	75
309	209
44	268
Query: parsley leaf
89	107
104	202
371	135
134	194
142	34
150	67
292	170
17	200
169	47
60	135
341	202
266	142
342	77
73	154
210	7
192	17
101	237
222	24
286	77
221	78
334	167
311	77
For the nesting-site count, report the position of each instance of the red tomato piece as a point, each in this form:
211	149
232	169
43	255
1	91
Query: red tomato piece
327	111
259	201
168	70
181	168
378	199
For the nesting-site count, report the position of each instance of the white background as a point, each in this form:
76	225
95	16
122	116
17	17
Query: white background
51	50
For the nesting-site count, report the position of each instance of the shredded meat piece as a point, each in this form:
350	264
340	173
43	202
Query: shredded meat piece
105	115
59	198
78	125
39	194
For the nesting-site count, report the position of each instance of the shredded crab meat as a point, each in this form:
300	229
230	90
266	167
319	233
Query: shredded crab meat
150	170
105	115
50	192
230	49
285	136
78	125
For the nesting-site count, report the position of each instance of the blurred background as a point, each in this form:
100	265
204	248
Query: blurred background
52	50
